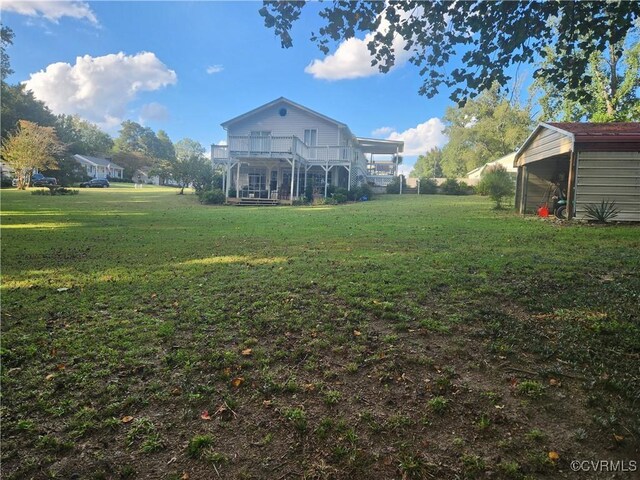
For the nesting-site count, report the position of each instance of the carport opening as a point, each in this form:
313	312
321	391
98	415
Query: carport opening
543	180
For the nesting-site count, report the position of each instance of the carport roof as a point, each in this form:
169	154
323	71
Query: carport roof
622	136
600	132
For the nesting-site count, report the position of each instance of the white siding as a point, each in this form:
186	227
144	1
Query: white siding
609	176
295	122
547	143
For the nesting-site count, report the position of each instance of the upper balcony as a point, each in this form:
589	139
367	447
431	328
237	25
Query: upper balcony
268	146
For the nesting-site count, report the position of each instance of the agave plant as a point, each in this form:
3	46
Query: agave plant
603	212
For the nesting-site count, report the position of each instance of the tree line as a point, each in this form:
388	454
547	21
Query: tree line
585	57
34	138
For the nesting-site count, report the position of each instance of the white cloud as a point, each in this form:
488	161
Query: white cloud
352	58
99	88
423	137
382	131
153	111
214	69
52	11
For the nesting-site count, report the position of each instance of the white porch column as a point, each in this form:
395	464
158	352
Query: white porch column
298	180
326	179
349	184
238	181
227	179
293	170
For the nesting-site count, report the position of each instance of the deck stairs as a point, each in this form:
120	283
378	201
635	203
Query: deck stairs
259	202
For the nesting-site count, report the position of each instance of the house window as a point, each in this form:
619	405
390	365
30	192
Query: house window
311	137
311	140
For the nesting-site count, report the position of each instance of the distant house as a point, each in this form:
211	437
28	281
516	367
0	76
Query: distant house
143	175
274	151
473	177
97	167
592	162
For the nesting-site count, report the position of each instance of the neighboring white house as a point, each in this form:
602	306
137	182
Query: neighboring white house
473	177
97	167
143	175
275	150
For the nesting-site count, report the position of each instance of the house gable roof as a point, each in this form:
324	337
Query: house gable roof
97	161
286	101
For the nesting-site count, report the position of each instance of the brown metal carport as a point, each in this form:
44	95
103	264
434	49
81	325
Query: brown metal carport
593	161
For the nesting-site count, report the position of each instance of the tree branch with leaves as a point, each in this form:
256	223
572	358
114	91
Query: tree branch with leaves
31	147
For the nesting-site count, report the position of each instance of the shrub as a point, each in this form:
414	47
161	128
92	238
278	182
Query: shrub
394	186
339	198
428	186
211	197
363	192
497	184
603	212
55	191
452	187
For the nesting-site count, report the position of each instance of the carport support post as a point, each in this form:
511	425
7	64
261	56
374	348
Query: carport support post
571	194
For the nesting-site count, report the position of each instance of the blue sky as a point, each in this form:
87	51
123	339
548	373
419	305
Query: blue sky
185	67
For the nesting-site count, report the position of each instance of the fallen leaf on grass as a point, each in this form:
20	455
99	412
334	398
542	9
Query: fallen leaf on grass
246	352
62	289
356	333
553	456
61	366
618	438
554	382
236	382
50	376
309	387
127	419
185	476
266	403
205	415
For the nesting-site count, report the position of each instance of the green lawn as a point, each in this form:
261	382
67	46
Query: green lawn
407	337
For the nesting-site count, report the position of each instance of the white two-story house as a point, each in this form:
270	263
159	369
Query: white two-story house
275	151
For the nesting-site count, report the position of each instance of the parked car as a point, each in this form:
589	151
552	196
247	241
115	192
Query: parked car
39	180
95	183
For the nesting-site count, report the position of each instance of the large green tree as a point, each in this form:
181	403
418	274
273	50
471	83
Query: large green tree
614	91
6	39
191	166
82	137
484	129
487	38
428	165
137	146
31	146
17	102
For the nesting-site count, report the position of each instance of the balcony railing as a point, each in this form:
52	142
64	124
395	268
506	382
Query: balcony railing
275	146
